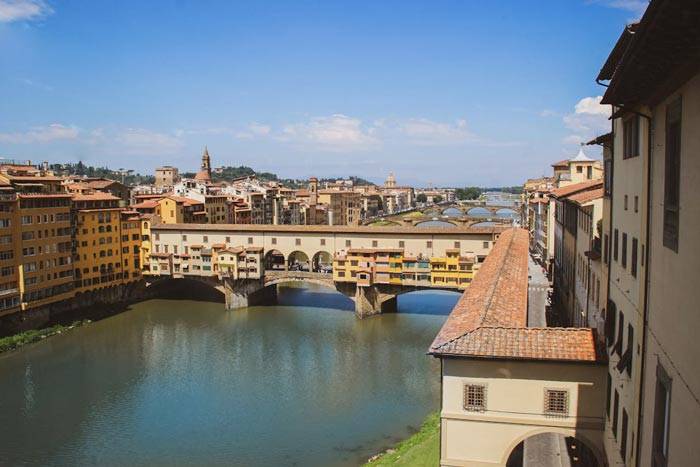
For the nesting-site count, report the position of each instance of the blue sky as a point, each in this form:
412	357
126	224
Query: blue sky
451	93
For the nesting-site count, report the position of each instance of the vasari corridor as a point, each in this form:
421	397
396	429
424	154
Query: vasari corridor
334	234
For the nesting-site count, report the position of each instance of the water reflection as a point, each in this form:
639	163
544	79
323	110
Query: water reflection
181	382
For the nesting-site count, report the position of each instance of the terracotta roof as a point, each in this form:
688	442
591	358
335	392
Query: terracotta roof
44	195
425	232
146	204
575	344
576	187
101	183
564	163
587	196
254	249
96	196
490	320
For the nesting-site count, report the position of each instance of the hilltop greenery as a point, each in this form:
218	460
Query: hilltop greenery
101	172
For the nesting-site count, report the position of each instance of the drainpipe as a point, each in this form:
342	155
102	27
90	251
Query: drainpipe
647	268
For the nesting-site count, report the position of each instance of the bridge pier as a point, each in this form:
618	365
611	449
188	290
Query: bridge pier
243	293
372	300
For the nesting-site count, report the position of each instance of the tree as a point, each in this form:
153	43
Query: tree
437	199
421	198
470	192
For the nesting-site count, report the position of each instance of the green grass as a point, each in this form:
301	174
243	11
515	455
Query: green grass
34	335
382	223
414	214
420	450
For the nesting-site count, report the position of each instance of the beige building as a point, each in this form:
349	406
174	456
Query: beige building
653	410
166	177
344	206
577	208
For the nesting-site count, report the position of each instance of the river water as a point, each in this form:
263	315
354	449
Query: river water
188	383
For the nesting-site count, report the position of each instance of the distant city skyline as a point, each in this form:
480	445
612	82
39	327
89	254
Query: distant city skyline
448	93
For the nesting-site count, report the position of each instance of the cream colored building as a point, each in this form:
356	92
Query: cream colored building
652	315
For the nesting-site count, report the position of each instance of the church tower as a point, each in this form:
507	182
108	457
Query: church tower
204	175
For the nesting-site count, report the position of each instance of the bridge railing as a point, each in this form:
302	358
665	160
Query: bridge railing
272	275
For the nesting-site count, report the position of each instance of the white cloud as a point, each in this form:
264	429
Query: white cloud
589	119
638	7
422	131
43	134
139	141
23	10
547	113
335	133
253	130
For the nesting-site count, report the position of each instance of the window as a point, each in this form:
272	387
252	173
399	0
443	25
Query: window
457	245
607	395
606	248
402	244
579	169
624	250
228	239
608	177
636	203
297	241
620	331
615	244
623	436
375	243
348	243
672	175
474	397
625	203
205	239
616	406
556	402
486	244
428	244
633	265
662	412
630	134
250	240
625	363
323	242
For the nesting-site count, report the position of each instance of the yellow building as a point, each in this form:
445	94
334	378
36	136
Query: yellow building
9	251
452	270
131	246
46	272
107	242
368	266
174	210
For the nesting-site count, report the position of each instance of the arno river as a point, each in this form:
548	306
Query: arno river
188	383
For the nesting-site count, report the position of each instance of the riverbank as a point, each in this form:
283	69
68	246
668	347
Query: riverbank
420	450
35	335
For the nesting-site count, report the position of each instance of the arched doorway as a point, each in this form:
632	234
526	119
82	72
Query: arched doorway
550	449
322	262
274	261
298	261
